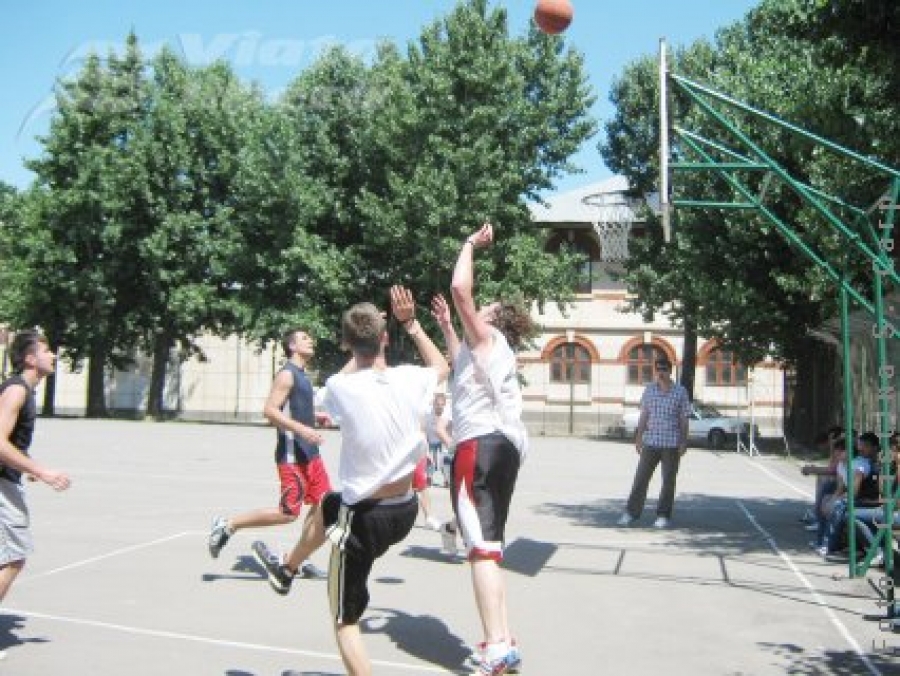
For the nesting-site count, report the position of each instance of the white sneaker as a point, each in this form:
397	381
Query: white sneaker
661	522
626	520
433	523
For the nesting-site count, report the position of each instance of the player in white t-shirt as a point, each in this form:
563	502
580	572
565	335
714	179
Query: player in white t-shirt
490	442
379	410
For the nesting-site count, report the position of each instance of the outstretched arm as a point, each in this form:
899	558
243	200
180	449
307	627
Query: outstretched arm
475	327
404	309
440	310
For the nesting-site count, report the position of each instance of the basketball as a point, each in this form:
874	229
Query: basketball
553	16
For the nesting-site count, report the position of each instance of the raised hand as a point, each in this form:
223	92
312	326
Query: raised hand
440	310
483	237
403	307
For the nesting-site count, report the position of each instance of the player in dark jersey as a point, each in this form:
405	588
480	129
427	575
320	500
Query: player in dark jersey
32	360
301	472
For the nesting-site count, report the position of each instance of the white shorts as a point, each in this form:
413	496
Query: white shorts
15	533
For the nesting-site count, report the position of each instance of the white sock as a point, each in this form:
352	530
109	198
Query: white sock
494	651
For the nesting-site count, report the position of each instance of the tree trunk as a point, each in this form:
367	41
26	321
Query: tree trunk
96	394
689	357
162	346
48	406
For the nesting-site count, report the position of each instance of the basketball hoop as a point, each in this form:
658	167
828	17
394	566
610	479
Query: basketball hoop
612	225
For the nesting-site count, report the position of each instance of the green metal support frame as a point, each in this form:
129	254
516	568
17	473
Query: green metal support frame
753	159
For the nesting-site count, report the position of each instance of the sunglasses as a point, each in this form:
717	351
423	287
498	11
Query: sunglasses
663	367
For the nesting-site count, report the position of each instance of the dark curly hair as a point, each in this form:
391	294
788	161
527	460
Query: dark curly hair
514	321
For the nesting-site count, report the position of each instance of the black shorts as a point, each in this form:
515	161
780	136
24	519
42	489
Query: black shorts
361	533
485	470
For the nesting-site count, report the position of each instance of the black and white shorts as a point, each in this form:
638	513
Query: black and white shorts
360	534
485	470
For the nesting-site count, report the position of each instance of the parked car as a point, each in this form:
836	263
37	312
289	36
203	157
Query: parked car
706	424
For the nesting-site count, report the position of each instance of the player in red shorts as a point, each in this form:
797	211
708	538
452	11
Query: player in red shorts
301	472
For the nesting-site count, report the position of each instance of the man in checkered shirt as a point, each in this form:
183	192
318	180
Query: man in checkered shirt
661	437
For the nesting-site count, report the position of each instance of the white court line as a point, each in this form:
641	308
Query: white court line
184	477
155	633
813	592
779	479
117	552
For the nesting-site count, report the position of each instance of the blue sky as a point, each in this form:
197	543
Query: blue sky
270	41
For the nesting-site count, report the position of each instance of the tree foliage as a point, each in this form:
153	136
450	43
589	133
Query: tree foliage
173	201
732	271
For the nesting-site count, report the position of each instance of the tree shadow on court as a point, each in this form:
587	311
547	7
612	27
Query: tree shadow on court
797	660
711	523
422	636
737	533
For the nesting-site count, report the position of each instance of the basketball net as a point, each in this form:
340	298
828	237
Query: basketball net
612	225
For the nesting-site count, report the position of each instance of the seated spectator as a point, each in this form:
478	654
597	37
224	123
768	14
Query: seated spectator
864	480
826	475
870	519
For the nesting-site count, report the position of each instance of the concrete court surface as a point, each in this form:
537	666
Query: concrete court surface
122	583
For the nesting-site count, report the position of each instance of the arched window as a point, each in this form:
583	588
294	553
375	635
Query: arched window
570	363
722	369
580	241
641	363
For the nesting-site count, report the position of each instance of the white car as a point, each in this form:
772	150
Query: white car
706	424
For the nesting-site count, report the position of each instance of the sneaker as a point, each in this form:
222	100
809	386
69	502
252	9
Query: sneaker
280	576
310	571
662	522
508	664
513	658
218	536
626	519
448	539
433	523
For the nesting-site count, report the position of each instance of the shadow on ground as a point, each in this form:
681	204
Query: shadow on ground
802	662
702	522
245	568
9	627
422	636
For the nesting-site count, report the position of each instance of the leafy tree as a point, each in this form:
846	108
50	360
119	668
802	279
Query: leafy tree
84	176
467	127
732	272
188	151
292	196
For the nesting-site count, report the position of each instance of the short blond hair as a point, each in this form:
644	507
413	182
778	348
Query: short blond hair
362	329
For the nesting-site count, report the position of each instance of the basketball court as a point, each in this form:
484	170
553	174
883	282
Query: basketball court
122	583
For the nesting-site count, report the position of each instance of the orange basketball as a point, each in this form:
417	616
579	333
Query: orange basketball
553	16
